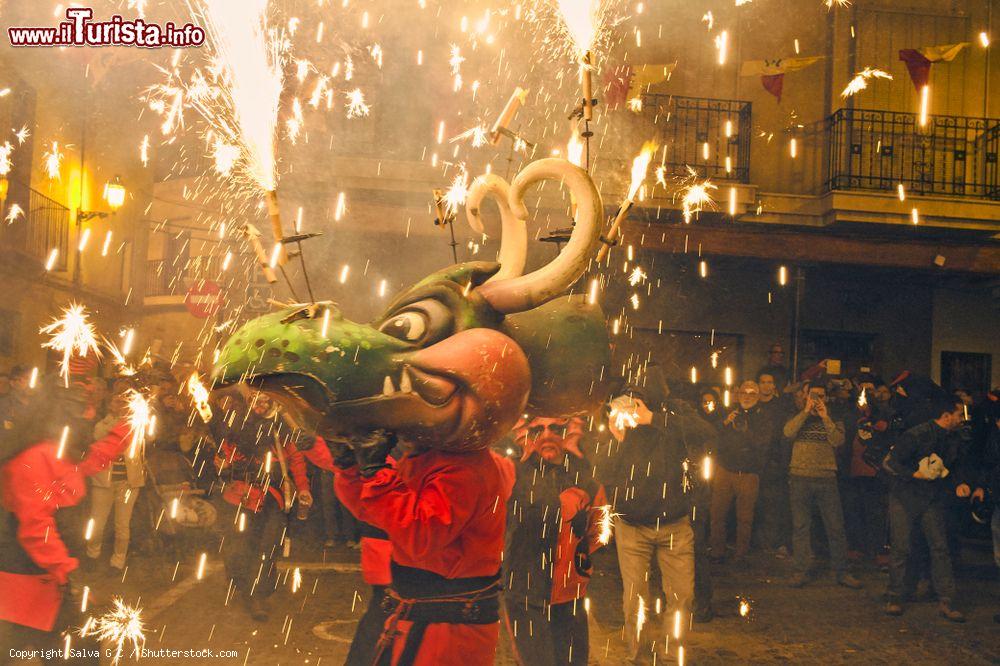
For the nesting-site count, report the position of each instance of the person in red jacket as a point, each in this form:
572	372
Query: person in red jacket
553	525
444	513
39	590
249	439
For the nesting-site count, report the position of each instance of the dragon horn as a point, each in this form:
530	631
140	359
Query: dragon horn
526	292
514	232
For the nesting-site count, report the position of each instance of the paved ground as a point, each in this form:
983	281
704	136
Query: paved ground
821	623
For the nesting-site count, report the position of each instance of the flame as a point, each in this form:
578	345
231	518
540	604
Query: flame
140	420
458	192
582	20
71	334
574	148
605	524
624	412
640	166
862	398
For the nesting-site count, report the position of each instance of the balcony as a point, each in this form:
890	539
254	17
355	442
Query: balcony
879	150
43	228
711	136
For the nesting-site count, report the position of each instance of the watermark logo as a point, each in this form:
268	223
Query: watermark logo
81	30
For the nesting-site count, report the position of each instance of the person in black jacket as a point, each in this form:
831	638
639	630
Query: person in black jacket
650	495
926	466
744	439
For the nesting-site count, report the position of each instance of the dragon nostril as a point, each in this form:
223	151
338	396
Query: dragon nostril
259	342
274	352
284	343
291	356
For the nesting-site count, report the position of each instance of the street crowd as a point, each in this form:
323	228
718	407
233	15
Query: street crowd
847	471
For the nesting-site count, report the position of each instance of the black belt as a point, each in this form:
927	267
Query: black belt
435	600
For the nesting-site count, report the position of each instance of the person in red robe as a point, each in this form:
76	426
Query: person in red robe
39	590
444	514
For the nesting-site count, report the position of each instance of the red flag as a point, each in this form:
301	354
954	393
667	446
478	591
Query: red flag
773	84
918	66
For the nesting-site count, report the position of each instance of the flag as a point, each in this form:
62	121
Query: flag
627	82
772	72
919	61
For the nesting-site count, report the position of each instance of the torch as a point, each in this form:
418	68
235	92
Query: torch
640	165
502	125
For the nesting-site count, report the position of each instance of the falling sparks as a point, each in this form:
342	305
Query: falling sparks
745	607
53	161
860	80
144	151
706	462
202	559
296	579
782	275
925	96
915	216
356	106
901	192
863	398
722	46
120	625
341	207
71	334
984	39
199	394
225	156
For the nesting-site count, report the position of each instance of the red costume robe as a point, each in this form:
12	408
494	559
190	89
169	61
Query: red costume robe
445	514
34	484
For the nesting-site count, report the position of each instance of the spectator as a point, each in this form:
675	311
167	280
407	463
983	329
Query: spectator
813	484
553	515
743	442
710	407
116	488
862	489
18	398
991	471
776	366
774	518
926	468
651	523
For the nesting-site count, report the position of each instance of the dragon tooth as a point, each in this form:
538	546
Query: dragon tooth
387	387
405	384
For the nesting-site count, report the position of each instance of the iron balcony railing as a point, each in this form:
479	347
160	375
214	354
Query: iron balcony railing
711	136
879	150
42	226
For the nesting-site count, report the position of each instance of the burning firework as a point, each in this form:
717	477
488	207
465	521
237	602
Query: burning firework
860	80
695	195
605	524
120	625
71	334
199	394
862	398
356	106
53	160
140	420
640	166
456	195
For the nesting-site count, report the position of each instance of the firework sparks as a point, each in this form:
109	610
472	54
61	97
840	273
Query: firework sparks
22	135
745	607
862	398
296	579
225	157
860	80
15	212
140	420
248	60
605	524
479	136
356	106
696	195
120	625
199	394
624	412
53	161
457	193
71	334
640	617
640	166
144	151
638	275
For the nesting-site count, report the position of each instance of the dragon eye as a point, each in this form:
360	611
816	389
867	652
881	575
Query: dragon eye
408	326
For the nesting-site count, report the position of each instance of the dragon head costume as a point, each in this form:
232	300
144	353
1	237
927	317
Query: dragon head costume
458	357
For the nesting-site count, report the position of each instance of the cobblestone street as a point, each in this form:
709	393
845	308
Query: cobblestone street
821	623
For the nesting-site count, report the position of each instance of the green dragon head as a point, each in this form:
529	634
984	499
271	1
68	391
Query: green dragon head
454	360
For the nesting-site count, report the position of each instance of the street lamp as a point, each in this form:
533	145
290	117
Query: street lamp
114	193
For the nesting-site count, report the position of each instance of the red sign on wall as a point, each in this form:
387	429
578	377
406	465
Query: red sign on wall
203	299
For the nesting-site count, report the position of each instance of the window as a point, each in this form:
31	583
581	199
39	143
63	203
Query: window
964	370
